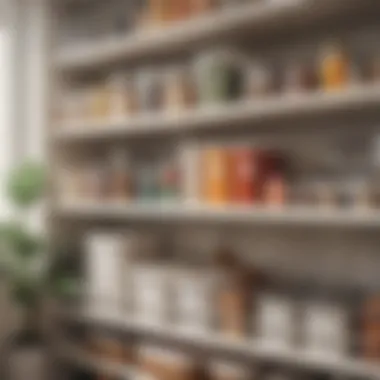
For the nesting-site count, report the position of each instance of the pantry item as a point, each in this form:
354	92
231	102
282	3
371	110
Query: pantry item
122	95
120	175
275	321
168	179
235	288
163	364
370	328
246	174
224	370
260	80
326	329
95	181
104	275
70	183
275	191
195	298
147	181
149	90
178	90
151	286
335	68
219	77
233	304
298	78
99	101
190	168
215	175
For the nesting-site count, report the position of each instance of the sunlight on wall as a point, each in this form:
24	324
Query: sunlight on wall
5	117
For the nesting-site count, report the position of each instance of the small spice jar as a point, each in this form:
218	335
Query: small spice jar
334	67
168	179
149	91
298	78
178	90
275	190
122	94
99	101
120	176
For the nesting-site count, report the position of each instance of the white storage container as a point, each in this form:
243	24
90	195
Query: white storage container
151	293
105	266
195	299
326	330
275	321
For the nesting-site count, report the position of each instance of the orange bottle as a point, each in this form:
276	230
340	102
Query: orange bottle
215	175
334	68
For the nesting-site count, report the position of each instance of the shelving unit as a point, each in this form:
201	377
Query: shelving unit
253	17
244	215
259	20
357	100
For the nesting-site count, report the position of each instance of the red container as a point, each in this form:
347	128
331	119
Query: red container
246	177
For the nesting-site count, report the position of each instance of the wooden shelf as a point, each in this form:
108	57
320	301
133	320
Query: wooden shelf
259	17
255	215
250	349
218	118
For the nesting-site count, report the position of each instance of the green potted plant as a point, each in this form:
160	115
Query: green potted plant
24	265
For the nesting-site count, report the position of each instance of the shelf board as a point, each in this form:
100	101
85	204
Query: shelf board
259	17
177	212
218	118
252	350
85	360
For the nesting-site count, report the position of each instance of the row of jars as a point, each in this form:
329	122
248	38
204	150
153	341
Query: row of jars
214	77
213	175
226	297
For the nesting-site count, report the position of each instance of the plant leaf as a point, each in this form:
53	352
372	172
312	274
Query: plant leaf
26	184
18	241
